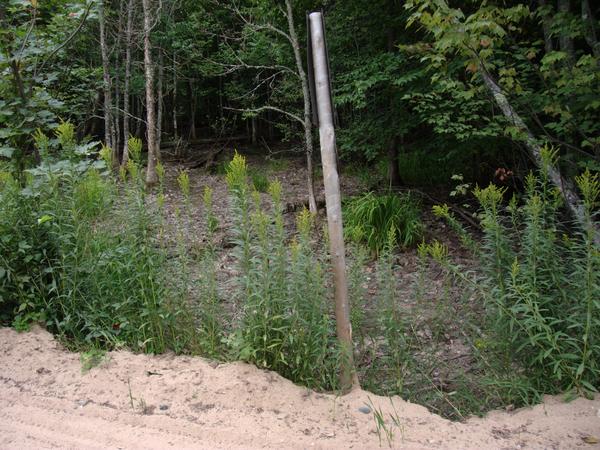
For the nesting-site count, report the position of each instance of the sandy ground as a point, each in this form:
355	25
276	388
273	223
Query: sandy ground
159	402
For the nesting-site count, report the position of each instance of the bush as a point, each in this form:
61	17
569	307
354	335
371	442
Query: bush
371	218
541	284
92	276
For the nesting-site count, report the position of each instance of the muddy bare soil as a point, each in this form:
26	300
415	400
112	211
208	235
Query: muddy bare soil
167	401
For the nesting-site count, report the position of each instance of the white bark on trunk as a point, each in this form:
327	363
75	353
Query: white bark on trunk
308	137
105	77
128	37
151	175
572	200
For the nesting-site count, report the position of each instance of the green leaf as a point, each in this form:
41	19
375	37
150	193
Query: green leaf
6	151
45	218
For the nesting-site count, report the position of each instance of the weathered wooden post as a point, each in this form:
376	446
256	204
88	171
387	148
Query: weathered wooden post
324	110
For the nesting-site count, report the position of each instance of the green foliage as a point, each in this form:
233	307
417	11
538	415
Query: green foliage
259	181
285	324
63	255
514	45
209	312
372	218
541	286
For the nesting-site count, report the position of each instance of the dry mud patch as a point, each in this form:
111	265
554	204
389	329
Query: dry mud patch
167	401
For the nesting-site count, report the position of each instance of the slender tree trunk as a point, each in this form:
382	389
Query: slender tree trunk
139	125
254	134
128	37
573	201
546	27
175	132
394	161
106	78
589	33
308	136
191	98
393	152
565	41
116	135
151	175
159	118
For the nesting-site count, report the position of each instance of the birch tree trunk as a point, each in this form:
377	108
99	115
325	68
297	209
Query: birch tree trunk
128	37
308	137
572	200
105	77
151	175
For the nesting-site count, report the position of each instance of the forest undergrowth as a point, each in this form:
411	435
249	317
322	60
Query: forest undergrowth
104	264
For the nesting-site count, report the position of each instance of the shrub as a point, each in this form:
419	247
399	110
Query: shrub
92	276
541	284
371	218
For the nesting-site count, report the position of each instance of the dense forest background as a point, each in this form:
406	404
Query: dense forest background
407	79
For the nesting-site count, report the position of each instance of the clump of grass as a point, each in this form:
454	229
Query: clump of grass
370	218
259	180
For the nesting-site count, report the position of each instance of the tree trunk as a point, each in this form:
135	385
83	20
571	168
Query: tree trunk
116	135
128	36
175	132
192	133
106	78
394	161
151	175
565	41
254	135
308	137
159	118
589	28
546	27
573	201
393	154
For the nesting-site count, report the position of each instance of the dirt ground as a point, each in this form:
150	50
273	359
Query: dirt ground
167	401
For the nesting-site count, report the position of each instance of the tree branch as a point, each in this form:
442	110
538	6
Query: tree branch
268	108
69	39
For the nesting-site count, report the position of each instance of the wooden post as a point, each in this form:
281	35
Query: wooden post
348	378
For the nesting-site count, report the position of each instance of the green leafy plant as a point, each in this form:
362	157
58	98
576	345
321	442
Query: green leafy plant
285	324
371	218
540	289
